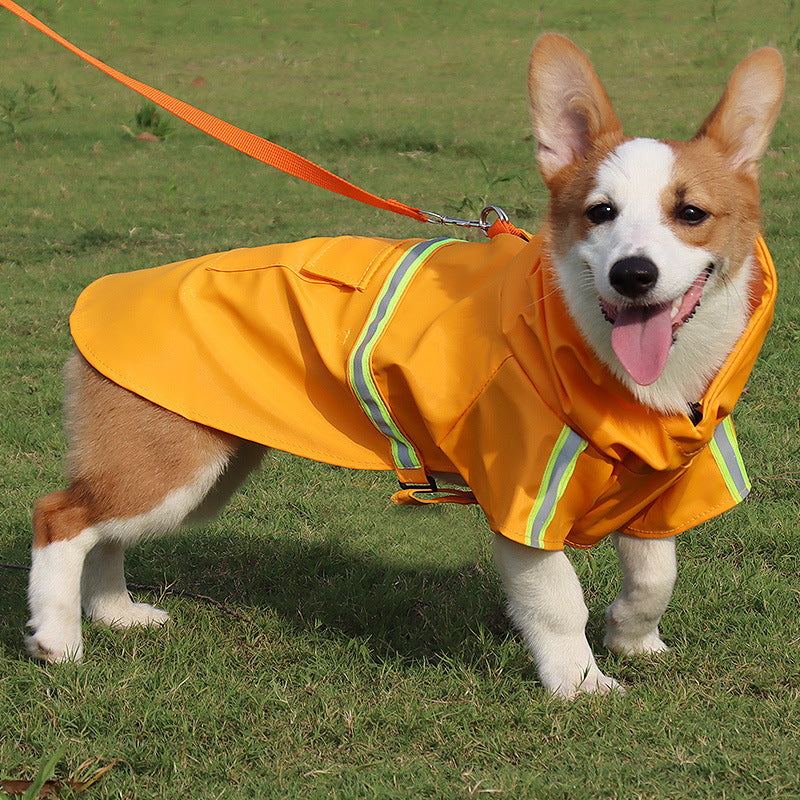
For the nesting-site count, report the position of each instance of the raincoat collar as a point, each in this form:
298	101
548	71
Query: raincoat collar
587	396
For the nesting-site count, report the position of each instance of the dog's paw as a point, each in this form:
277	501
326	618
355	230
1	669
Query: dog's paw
595	682
569	684
630	631
625	645
53	649
144	616
129	615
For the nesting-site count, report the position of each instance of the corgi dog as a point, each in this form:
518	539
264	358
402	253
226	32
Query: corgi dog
649	255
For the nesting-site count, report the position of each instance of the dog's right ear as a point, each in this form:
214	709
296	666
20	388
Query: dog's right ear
569	105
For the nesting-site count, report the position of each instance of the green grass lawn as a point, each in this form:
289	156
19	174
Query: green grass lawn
357	649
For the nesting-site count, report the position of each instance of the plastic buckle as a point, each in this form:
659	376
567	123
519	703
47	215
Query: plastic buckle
430	486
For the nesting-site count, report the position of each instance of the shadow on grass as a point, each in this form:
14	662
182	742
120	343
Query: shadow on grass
293	555
415	613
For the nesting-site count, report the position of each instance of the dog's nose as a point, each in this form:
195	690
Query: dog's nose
633	276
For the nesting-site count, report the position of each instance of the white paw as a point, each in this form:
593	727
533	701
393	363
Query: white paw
595	682
54	648
564	680
129	615
626	645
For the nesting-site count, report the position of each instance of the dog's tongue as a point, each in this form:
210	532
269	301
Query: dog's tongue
641	338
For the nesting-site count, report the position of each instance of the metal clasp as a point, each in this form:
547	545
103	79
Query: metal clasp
482	222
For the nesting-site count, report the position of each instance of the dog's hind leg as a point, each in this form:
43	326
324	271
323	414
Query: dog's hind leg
137	470
77	559
62	538
545	602
104	593
648	577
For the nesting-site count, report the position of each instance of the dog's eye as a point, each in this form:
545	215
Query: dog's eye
691	214
600	213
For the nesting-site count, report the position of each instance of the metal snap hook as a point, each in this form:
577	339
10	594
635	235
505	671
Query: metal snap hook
482	222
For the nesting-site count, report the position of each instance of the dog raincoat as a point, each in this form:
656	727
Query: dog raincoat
423	356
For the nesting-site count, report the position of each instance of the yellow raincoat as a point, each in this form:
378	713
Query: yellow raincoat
424	356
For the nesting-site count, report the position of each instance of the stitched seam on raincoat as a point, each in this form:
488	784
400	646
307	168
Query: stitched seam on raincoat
312	263
691	522
307	272
705	515
381	256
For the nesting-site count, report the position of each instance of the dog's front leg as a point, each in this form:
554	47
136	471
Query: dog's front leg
648	577
545	601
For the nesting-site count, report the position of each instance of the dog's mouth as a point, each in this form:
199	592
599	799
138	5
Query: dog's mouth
643	335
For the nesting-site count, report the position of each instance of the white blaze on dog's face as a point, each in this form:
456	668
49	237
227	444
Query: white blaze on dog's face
649	271
652	241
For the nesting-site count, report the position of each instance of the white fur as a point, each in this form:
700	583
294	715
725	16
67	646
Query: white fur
633	178
545	602
649	569
54	598
104	594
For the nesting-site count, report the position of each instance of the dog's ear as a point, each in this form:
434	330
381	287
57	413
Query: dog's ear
742	120
569	105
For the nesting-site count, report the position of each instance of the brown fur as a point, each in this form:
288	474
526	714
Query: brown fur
572	146
732	199
126	455
569	189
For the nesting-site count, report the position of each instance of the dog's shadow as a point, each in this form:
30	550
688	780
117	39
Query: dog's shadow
423	612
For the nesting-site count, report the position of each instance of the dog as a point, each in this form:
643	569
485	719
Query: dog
572	380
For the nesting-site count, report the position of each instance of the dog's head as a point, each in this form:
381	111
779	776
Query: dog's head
642	230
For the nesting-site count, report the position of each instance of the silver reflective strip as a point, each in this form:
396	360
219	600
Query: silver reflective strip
726	453
361	379
560	467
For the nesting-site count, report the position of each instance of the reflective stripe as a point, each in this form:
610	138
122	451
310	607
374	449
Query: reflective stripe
560	467
360	369
725	449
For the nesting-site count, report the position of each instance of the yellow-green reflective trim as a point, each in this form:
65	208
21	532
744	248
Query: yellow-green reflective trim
557	474
725	449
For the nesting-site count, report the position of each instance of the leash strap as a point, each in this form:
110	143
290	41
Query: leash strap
265	151
247	143
408	465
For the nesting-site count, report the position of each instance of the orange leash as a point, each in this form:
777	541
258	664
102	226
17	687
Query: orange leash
262	149
247	143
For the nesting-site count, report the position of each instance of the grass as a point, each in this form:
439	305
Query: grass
367	654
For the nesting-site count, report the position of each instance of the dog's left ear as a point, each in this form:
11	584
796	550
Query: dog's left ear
742	120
